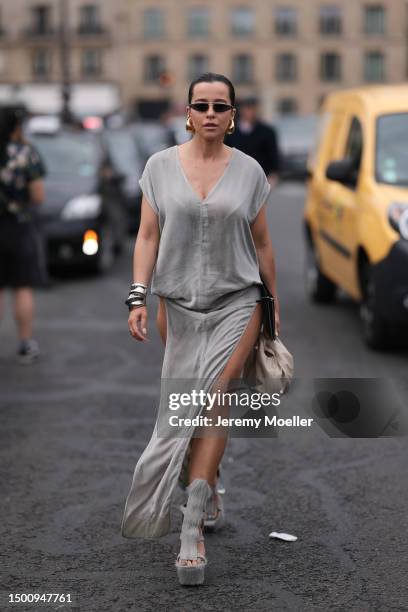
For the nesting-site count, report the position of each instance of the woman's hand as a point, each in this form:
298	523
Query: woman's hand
138	323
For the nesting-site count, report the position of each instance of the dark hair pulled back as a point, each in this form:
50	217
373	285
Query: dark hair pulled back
211	77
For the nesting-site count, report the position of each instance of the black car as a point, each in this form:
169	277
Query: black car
123	151
83	218
130	147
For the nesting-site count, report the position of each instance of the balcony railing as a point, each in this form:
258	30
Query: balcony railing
36	32
92	30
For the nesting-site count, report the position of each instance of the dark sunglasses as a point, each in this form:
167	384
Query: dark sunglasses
202	107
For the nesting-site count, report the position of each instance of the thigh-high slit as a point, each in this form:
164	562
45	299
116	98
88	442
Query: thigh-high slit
201	347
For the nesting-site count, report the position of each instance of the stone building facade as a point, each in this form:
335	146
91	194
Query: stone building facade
145	52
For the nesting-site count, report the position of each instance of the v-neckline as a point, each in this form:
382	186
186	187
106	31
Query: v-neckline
213	188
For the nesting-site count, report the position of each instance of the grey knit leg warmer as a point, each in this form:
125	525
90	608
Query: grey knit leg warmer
198	492
209	507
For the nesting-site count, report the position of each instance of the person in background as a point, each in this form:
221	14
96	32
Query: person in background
256	138
165	120
22	264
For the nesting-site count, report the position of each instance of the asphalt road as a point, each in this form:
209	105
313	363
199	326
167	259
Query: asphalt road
74	424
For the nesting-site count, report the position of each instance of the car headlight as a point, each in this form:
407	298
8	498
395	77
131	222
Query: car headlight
398	218
82	207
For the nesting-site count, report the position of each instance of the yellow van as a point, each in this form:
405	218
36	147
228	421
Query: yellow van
356	212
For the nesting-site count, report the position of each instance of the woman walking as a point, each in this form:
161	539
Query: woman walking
22	263
203	244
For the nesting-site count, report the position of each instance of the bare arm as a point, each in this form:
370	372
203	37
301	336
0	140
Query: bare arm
144	260
266	257
273	179
146	245
36	191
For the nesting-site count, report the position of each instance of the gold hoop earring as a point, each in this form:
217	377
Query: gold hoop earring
231	127
189	125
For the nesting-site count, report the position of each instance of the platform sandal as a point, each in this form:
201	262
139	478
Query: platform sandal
214	515
198	493
220	483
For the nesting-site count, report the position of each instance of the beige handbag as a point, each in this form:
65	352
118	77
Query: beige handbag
269	366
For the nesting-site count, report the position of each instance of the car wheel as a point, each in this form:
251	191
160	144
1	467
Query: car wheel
106	253
374	327
319	288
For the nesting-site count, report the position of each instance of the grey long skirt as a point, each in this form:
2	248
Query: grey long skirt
198	347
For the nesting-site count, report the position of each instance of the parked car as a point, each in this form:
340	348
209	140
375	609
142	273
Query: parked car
150	137
130	147
125	155
296	136
356	213
83	218
43	124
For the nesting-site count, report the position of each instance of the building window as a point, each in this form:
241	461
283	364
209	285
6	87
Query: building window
154	67
242	21
198	24
330	20
287	106
374	19
286	67
242	68
286	21
91	62
1	23
2	62
330	67
374	67
89	19
41	19
41	63
197	65
153	23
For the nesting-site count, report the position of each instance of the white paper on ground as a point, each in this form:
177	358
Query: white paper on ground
283	536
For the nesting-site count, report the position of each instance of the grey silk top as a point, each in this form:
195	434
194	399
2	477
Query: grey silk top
206	248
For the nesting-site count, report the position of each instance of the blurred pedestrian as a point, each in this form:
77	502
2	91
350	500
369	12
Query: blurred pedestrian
204	245
165	120
256	138
22	265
